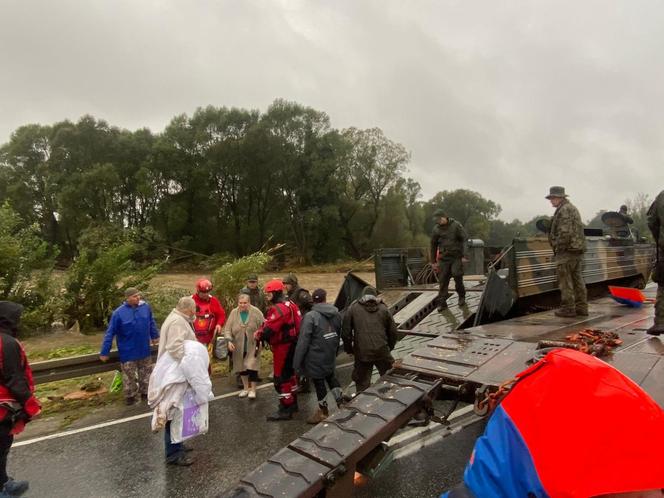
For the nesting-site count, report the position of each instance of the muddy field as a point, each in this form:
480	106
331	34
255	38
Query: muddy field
331	282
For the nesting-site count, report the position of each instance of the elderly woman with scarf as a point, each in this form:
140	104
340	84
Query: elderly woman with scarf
239	330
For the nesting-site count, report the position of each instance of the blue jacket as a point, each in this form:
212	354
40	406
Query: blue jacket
133	328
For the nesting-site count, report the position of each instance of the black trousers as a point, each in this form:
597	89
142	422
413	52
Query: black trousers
6	441
321	390
362	371
450	268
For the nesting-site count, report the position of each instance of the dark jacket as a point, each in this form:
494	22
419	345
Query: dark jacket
17	401
656	220
317	345
256	297
449	240
302	298
12	373
369	331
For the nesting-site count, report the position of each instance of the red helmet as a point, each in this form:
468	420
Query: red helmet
274	285
203	285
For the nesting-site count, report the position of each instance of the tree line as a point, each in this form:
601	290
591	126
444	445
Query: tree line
229	180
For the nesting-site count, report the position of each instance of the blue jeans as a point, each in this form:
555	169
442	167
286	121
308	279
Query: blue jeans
173	450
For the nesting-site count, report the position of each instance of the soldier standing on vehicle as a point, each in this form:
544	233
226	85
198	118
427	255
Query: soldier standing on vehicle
448	253
256	295
656	225
568	243
369	334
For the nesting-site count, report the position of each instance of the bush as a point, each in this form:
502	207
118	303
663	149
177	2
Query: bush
163	299
230	277
26	267
95	281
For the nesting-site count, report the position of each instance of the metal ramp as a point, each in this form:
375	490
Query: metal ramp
327	455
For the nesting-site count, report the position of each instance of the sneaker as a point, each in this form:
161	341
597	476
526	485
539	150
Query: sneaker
130	401
15	488
186	448
181	461
565	313
243	394
252	395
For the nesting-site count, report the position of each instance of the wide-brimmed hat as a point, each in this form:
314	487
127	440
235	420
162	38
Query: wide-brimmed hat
556	191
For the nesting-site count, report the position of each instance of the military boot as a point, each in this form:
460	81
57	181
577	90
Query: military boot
655	330
319	415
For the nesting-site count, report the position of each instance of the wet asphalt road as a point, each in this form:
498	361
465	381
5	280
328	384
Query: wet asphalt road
127	460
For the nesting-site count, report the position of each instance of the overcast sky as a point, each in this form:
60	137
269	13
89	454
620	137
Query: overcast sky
502	97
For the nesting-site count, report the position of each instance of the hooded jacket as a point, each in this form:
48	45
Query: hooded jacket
368	330
318	342
17	400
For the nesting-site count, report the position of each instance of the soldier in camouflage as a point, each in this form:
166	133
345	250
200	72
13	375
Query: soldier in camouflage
448	252
656	225
568	243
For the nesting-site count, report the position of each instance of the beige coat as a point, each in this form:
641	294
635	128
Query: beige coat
174	331
236	332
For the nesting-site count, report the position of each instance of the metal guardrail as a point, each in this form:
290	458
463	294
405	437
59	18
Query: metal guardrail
76	366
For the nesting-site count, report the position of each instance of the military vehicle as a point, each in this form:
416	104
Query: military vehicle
450	363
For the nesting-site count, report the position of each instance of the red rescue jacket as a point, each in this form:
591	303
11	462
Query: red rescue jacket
282	323
209	314
20	411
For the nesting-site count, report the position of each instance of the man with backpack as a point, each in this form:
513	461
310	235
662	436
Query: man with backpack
282	324
316	351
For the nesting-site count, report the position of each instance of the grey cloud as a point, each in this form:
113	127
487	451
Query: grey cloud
505	98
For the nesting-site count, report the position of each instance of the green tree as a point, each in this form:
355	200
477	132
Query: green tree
469	208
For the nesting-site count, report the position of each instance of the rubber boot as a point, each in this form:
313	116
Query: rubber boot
655	330
565	313
281	414
318	416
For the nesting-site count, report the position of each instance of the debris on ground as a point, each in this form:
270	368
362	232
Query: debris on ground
591	341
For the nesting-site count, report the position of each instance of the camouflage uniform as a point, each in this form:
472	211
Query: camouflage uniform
450	242
568	243
136	376
656	225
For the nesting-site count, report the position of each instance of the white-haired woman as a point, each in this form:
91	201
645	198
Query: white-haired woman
239	330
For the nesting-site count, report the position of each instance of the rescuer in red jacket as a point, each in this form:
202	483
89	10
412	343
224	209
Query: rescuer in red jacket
18	404
210	316
280	331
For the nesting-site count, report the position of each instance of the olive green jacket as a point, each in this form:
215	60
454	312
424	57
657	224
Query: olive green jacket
450	239
656	220
566	234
